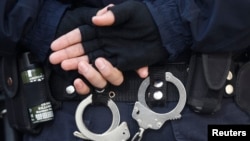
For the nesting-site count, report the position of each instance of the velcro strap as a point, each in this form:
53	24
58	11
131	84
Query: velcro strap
157	94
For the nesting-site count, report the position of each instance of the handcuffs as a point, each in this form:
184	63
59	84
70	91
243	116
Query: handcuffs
145	117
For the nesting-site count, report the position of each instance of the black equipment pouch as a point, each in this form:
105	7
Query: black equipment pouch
206	80
242	97
28	98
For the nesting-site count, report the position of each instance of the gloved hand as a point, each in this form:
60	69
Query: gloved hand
131	42
74	18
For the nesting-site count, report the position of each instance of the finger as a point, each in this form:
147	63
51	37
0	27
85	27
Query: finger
90	46
104	10
66	40
81	87
105	19
143	72
95	54
123	12
87	32
91	74
110	73
72	64
67	53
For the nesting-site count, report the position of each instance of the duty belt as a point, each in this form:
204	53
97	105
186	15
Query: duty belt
63	89
207	79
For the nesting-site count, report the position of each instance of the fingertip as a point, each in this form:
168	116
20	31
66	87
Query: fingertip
104	10
66	66
109	72
52	59
81	87
106	19
143	72
83	68
100	63
57	43
95	20
53	45
110	5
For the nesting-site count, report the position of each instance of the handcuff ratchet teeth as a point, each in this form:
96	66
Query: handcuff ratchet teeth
115	132
145	117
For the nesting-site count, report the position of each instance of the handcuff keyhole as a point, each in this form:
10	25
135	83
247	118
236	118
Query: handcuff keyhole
138	112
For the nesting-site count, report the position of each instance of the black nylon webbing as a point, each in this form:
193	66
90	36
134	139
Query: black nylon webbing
128	91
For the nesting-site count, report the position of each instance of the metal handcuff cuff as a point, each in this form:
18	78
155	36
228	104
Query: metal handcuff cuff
145	117
115	132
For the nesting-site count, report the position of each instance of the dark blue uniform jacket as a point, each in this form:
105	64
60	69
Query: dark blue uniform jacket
200	25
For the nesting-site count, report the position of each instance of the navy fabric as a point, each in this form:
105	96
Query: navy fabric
39	38
182	24
202	25
191	127
16	17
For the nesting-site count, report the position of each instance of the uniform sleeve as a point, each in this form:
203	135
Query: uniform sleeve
16	17
42	33
202	25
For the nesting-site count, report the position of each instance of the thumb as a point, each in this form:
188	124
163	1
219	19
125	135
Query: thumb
104	17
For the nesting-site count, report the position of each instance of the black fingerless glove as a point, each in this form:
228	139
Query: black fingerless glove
131	42
74	18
